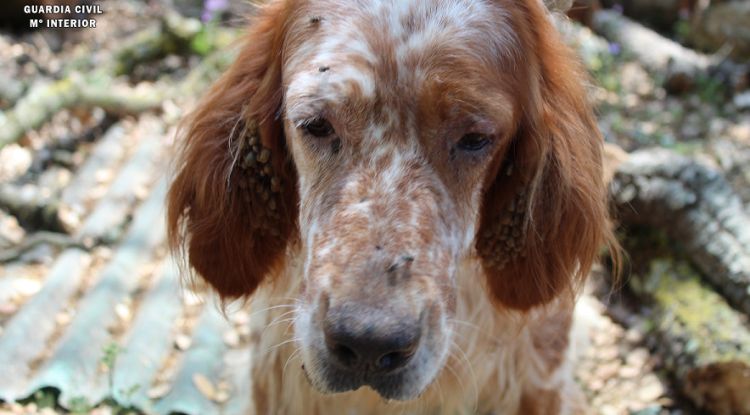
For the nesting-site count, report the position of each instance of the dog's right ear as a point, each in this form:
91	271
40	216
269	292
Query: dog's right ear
232	206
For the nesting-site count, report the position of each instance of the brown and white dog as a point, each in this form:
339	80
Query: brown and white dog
411	192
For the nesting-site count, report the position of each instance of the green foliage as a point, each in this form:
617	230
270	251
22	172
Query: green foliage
118	409
110	353
682	30
109	357
43	398
710	89
204	42
603	68
211	37
80	406
131	390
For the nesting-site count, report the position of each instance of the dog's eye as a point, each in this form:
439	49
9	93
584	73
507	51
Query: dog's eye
318	127
473	142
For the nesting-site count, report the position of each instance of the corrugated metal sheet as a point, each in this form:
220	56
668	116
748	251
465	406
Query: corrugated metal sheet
114	323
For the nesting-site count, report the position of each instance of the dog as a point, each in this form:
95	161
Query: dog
410	193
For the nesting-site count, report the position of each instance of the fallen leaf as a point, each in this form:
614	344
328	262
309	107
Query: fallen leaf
204	386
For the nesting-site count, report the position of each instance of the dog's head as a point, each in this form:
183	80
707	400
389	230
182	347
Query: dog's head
383	143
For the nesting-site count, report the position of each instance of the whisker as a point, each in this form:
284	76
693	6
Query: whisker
296	353
273	307
286	313
465	323
286	320
293	299
471	372
455	375
272	348
440	392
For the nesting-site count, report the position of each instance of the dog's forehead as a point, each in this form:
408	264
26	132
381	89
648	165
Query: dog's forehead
340	48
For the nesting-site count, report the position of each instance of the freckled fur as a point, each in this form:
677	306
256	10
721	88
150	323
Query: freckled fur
389	215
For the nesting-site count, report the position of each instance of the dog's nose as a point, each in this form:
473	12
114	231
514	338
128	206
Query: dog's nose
372	339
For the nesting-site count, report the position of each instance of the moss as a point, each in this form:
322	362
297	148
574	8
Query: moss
689	312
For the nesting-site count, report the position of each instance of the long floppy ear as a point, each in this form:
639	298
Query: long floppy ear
544	216
232	204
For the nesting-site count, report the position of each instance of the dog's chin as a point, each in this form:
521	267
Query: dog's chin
399	386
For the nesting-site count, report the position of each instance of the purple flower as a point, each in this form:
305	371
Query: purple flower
213	8
614	48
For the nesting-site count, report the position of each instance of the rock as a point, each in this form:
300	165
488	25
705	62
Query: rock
742	100
232	338
158	391
182	342
14	161
558	5
10	231
651	389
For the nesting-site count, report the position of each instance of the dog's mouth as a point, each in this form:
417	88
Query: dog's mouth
398	386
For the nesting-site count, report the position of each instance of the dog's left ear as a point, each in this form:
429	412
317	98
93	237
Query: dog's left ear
544	215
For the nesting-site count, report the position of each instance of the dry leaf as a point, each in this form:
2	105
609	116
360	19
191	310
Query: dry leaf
204	386
158	391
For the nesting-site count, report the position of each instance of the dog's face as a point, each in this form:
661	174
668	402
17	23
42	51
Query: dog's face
384	143
393	113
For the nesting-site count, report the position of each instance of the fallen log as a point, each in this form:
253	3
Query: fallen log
46	99
682	225
723	25
10	90
41	211
582	11
173	35
696	208
100	87
60	241
703	343
31	207
682	66
660	14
